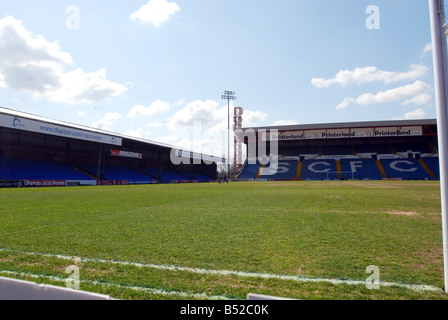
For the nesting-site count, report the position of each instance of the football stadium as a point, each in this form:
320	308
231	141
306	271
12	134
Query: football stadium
331	185
348	211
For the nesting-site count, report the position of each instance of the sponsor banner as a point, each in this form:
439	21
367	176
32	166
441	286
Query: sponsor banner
284	136
187	155
26	124
112	182
363	132
44	183
397	132
126	154
343	133
10	184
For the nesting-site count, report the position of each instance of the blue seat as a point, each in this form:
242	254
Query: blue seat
286	169
361	168
27	169
433	165
404	168
317	169
250	171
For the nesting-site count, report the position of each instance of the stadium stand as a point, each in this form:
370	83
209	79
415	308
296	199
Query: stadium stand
371	150
433	165
368	162
249	171
38	151
404	168
201	177
286	169
166	174
20	169
317	169
361	168
125	173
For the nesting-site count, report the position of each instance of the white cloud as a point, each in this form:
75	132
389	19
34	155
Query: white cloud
107	121
415	89
156	124
206	112
155	12
156	107
370	74
29	63
202	126
284	122
420	99
137	133
415	93
253	118
344	104
416	114
427	48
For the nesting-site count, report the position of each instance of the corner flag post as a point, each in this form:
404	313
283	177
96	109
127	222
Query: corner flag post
439	48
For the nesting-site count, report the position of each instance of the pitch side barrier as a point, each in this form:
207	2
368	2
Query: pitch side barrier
70	183
11	183
14	289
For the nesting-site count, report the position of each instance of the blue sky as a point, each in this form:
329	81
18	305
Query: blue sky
156	69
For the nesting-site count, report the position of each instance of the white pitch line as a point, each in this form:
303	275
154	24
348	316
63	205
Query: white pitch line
414	287
186	295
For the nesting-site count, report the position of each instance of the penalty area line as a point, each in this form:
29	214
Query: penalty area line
413	287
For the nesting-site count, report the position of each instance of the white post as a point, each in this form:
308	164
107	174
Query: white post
439	46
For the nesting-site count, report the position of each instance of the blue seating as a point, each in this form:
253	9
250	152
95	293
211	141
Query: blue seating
26	169
124	173
361	168
89	168
317	169
250	171
404	168
286	169
201	177
166	174
433	165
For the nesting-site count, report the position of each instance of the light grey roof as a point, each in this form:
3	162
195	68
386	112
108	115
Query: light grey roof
345	125
30	116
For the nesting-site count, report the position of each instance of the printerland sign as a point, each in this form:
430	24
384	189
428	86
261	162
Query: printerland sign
343	133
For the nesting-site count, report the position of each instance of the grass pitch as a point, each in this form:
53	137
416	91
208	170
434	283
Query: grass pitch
302	240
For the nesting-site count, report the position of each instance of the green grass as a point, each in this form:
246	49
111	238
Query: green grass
329	230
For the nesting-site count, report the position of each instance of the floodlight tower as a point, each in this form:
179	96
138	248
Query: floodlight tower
228	95
238	144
